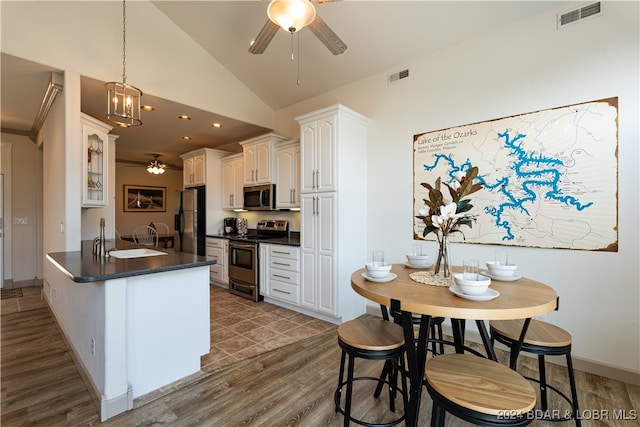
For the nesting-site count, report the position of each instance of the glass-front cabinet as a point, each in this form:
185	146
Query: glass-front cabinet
95	144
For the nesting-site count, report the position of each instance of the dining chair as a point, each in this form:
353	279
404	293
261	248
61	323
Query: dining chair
118	236
145	235
543	339
478	390
163	228
371	338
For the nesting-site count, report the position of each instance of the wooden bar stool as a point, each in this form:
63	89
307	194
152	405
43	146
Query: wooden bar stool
374	339
543	339
478	390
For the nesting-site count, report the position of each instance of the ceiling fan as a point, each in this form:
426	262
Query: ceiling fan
292	16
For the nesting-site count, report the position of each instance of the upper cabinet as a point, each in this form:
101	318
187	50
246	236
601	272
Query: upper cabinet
318	152
95	145
288	176
232	181
194	168
259	159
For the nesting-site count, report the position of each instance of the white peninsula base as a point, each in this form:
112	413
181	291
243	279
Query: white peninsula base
132	335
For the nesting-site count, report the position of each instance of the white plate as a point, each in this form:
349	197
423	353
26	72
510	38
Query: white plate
415	267
501	278
487	296
388	278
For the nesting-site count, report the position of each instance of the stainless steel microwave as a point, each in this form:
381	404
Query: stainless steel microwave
260	197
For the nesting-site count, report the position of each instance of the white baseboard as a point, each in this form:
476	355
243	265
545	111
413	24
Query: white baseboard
579	363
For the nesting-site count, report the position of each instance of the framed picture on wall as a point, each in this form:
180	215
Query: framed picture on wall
140	198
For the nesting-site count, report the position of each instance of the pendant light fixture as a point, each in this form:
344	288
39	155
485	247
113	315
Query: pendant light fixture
155	166
123	100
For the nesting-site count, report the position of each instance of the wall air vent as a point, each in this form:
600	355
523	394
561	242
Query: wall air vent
392	78
578	14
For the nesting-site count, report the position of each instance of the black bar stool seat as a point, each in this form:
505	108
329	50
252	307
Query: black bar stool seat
478	390
374	339
542	339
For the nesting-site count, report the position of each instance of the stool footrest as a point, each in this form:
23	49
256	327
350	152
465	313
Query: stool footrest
338	392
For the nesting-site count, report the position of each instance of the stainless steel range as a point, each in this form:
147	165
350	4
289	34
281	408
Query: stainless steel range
244	263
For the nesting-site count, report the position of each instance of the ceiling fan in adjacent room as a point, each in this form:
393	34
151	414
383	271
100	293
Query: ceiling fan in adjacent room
292	16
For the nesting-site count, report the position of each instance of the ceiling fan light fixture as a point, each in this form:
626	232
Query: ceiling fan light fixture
291	15
155	166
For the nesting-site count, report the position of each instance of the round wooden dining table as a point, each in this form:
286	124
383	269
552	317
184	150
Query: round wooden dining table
519	299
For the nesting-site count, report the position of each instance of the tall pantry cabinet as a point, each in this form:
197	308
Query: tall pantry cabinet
333	225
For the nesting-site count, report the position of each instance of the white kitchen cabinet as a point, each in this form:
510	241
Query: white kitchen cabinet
194	169
95	176
318	245
259	159
333	226
288	176
318	153
218	249
281	272
232	181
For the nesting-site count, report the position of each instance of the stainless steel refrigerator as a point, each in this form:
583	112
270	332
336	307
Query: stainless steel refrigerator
191	221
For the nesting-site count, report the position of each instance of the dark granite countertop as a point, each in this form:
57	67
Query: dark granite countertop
292	240
83	266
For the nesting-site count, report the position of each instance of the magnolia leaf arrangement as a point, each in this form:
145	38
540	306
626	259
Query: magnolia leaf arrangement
445	218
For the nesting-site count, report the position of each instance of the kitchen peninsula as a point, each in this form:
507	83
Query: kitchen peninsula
135	325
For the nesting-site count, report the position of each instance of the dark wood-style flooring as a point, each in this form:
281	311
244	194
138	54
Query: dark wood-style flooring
291	385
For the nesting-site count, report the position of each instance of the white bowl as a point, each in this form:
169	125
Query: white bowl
377	270
418	260
472	287
501	270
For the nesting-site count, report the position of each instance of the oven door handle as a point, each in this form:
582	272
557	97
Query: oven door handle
242	245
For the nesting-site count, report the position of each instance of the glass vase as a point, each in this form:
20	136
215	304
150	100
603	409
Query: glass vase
442	268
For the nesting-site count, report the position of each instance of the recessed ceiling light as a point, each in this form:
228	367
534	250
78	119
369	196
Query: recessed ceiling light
148	108
183	117
216	125
186	138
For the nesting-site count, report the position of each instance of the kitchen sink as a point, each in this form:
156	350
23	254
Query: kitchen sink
135	253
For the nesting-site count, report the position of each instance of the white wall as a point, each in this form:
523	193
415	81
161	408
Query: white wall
157	52
526	66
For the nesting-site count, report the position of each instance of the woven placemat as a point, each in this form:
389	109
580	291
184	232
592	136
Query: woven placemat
428	278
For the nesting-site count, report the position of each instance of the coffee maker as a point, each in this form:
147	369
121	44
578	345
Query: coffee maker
230	226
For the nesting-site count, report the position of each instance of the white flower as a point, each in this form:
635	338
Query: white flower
437	221
455	185
449	211
424	210
459	176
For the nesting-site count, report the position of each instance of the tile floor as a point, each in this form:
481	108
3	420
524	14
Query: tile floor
241	329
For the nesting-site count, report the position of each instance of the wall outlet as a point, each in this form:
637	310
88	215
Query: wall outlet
93	346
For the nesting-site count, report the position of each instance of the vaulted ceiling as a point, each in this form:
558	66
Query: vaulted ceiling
381	36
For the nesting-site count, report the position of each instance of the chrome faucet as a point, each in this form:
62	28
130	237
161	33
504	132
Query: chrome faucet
99	242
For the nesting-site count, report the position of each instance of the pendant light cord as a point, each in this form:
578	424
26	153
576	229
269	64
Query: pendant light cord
124	42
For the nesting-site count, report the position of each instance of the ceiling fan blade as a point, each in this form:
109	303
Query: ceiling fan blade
264	37
327	36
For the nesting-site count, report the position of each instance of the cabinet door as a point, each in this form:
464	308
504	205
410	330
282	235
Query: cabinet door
95	177
187	172
326	152
284	181
326	229
199	170
227	184
263	250
308	157
249	157
238	195
263	163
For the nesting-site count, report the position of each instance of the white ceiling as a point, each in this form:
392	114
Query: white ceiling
382	37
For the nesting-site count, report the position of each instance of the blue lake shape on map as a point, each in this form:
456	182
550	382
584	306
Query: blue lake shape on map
532	170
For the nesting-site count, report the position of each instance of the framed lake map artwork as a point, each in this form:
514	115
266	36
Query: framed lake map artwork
550	178
138	198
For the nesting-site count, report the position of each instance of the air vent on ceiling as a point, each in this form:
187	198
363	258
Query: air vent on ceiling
578	14
392	78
